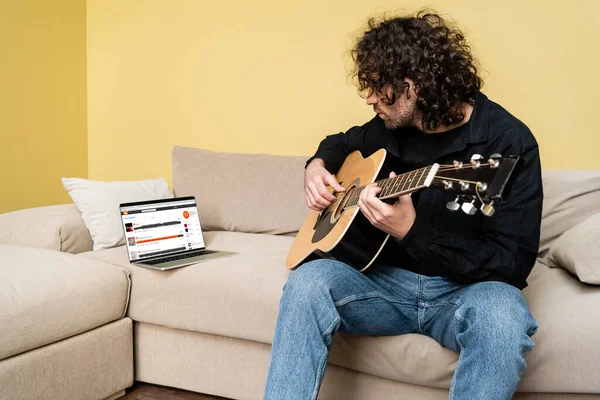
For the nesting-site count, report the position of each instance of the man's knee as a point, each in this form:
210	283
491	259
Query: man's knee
498	317
314	278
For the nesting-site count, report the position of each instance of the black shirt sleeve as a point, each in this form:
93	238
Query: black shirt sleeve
507	247
334	149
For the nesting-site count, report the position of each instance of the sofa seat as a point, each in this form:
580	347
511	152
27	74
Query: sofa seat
235	296
238	297
47	296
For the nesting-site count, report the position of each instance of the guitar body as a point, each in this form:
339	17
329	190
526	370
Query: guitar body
344	235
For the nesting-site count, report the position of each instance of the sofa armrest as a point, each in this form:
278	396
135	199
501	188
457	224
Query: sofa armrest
59	228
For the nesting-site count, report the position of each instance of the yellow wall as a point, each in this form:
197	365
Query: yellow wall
269	75
42	100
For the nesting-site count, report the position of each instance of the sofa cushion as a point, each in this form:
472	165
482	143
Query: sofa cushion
570	196
256	193
234	296
59	228
99	204
47	296
566	353
578	251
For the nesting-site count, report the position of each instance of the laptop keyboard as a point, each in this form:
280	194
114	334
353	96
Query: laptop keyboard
178	257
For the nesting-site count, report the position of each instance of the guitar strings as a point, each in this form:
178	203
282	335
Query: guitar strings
442	168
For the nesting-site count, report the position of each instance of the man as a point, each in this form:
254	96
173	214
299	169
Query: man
454	277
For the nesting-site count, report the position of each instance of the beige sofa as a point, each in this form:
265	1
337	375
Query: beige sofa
63	330
208	327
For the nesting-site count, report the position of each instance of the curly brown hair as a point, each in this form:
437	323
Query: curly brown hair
426	49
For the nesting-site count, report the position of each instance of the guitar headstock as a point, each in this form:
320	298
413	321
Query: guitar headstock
478	180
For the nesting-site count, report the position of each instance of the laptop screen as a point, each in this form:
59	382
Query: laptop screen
161	228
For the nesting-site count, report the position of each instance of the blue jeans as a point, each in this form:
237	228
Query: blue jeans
487	323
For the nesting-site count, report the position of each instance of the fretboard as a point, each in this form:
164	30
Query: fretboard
394	187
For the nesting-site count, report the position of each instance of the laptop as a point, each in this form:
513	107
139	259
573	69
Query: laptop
165	234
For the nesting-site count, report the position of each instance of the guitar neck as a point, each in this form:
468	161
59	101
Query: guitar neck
395	187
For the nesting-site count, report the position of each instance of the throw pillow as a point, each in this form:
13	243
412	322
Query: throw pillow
570	196
99	204
578	251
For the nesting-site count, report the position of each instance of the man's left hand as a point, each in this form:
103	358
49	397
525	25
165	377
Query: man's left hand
394	219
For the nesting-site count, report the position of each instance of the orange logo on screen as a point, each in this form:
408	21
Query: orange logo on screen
186	214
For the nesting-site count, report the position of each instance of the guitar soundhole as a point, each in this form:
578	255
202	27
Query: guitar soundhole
341	203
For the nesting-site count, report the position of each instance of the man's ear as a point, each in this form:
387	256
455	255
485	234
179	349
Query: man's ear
412	88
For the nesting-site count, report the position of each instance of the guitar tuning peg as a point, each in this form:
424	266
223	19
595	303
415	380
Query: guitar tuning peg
476	160
488	209
495	160
464	186
469	208
453	205
457	164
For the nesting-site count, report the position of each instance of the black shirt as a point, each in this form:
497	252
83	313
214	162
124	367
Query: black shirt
465	248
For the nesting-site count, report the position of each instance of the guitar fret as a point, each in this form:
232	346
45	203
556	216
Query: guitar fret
401	182
406	179
406	182
392	182
397	181
383	185
419	183
390	191
415	181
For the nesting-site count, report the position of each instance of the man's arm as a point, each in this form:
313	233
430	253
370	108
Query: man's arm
328	159
334	149
507	247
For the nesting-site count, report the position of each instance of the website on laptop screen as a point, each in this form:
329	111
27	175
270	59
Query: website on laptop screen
161	228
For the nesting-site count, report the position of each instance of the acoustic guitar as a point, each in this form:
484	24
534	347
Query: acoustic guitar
341	232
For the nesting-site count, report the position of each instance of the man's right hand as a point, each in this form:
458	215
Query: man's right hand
316	180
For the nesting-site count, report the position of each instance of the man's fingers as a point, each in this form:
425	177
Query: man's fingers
378	207
334	184
325	194
365	210
320	191
310	201
318	199
404	200
367	201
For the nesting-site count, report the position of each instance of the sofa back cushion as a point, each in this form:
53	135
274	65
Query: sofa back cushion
578	251
58	228
570	196
255	193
